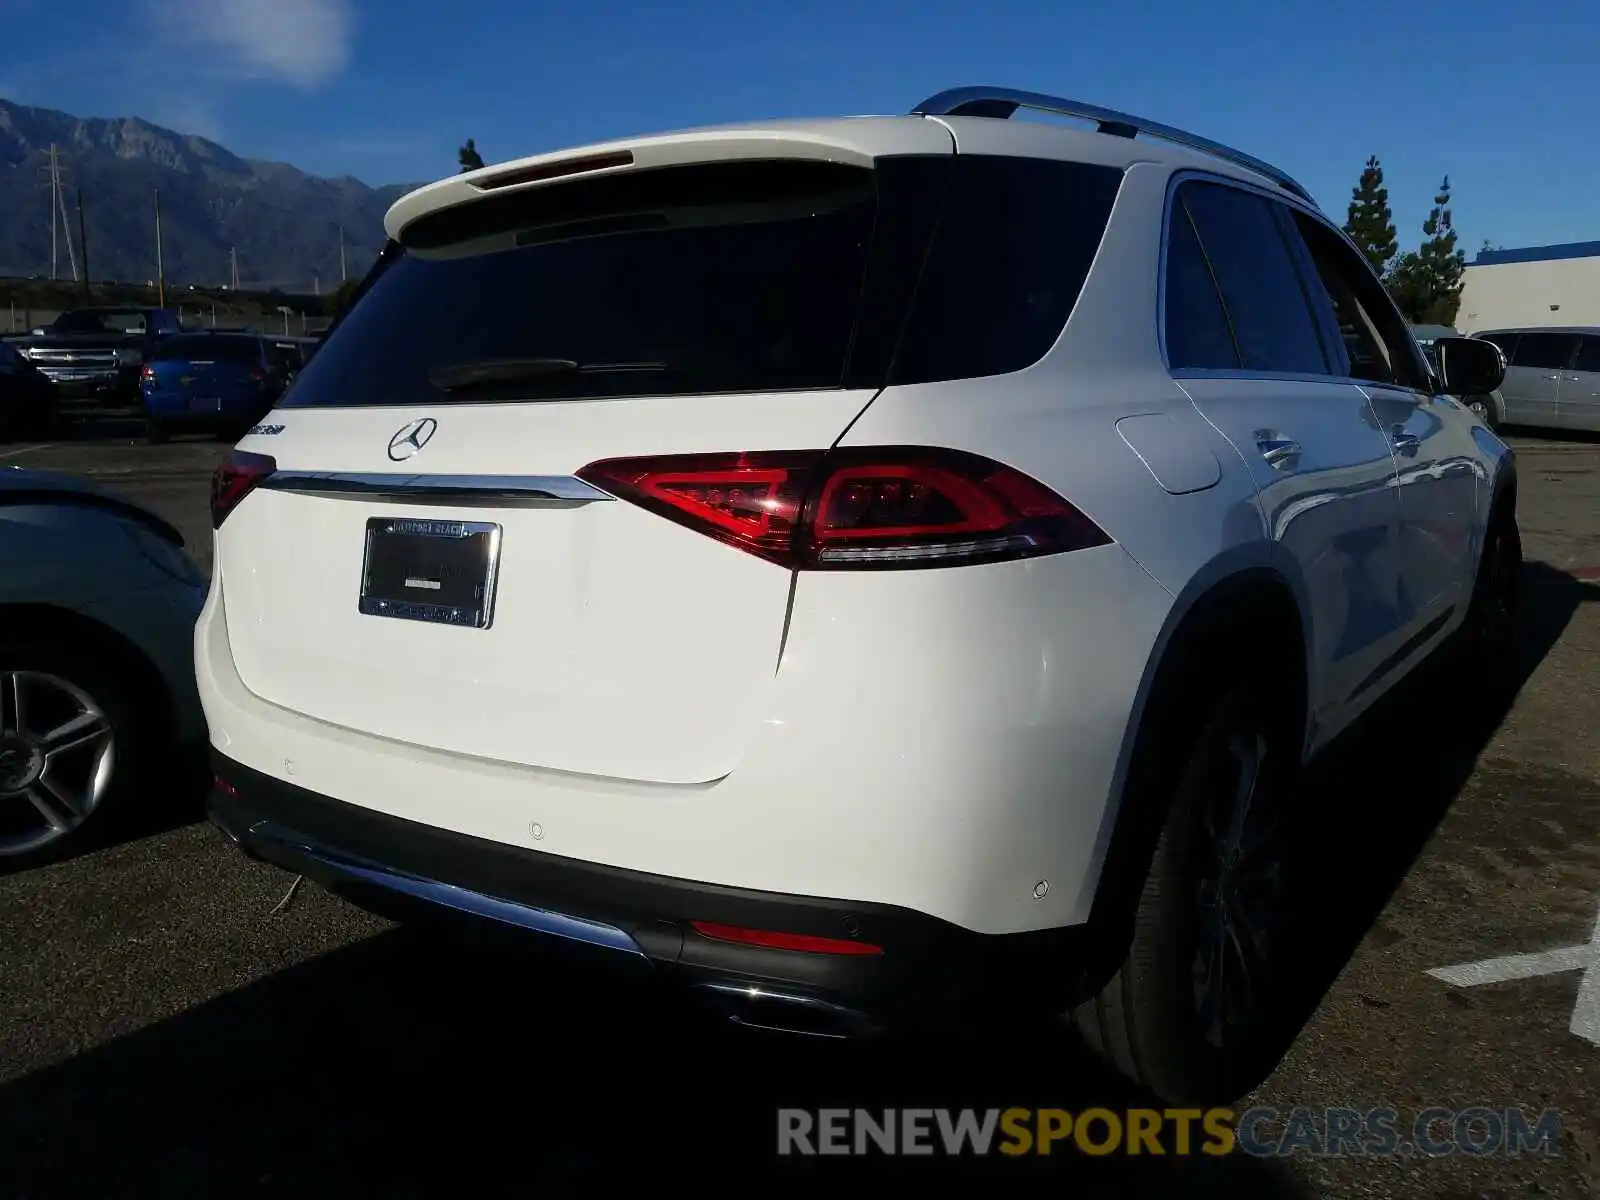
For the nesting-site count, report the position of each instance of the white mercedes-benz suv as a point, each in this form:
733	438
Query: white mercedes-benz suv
866	570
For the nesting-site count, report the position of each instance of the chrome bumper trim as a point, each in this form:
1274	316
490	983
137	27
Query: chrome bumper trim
507	912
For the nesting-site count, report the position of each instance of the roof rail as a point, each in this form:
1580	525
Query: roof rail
1003	102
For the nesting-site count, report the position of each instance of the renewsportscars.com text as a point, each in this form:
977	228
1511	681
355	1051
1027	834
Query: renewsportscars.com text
1260	1132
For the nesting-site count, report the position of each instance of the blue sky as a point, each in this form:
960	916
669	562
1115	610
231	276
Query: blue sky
1501	97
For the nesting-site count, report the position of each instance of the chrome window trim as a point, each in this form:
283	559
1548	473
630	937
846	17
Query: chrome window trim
1176	180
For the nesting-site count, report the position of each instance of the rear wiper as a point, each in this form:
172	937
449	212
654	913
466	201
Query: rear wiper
456	377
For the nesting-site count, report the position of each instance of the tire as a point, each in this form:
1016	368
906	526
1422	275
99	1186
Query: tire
1484	407
53	808
154	431
1155	1022
1488	638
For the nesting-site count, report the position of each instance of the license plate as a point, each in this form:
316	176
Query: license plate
439	571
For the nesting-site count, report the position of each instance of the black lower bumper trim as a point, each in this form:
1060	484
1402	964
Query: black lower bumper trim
928	968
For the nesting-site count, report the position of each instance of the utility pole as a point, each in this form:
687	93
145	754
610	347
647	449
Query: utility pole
233	267
83	244
55	192
161	274
60	226
344	270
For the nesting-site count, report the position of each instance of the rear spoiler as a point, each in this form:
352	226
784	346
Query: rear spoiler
856	141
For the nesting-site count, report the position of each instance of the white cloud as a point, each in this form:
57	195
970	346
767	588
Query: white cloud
300	42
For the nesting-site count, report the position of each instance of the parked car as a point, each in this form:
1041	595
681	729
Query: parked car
867	569
97	352
28	402
97	608
1552	376
218	382
295	351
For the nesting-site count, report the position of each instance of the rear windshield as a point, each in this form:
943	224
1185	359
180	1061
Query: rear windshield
208	349
734	277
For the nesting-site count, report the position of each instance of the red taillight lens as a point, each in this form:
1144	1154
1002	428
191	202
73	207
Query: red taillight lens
882	507
257	374
783	941
235	479
147	374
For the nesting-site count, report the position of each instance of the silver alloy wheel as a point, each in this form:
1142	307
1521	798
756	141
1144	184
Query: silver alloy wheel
1480	409
57	759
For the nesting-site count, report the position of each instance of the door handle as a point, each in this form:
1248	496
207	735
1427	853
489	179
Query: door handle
1277	451
1405	443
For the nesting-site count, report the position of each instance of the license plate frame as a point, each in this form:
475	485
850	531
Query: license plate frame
444	572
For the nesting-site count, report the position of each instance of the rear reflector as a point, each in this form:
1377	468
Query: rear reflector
803	942
879	507
235	479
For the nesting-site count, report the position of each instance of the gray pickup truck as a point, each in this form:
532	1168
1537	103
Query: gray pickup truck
98	351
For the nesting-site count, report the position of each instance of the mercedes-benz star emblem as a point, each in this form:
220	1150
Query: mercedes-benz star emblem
411	438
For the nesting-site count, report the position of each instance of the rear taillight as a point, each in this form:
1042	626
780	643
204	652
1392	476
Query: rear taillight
235	479
257	374
147	374
881	507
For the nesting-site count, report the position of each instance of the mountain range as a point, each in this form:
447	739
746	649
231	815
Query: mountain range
283	225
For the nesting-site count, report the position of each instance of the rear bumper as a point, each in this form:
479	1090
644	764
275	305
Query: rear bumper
928	971
91	380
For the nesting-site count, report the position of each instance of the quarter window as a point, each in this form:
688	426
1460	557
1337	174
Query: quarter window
1197	330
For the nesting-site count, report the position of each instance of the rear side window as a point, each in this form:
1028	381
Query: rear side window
1015	242
1261	286
731	277
208	348
1546	351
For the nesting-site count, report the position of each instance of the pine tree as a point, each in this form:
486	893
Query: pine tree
1426	282
1370	223
469	157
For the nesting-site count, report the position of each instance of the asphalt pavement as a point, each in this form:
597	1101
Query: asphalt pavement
174	1023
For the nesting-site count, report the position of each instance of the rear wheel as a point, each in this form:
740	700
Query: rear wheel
1195	1012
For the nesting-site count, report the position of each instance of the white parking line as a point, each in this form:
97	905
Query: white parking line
1586	958
16	450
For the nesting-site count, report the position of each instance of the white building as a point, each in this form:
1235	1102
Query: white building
1539	285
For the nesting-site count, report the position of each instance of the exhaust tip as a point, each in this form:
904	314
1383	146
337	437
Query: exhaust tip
755	1006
